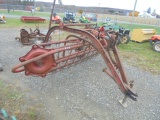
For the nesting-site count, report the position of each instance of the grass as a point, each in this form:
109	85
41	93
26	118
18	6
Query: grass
17	23
25	13
141	55
12	99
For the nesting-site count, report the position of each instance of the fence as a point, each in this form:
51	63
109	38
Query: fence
139	20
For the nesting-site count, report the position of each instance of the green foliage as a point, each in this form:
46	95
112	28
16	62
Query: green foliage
32	113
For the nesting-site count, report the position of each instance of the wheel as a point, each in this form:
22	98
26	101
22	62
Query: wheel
65	20
156	46
152	42
24	36
125	39
37	31
25	40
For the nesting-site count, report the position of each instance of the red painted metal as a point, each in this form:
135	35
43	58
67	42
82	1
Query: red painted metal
32	19
83	44
39	67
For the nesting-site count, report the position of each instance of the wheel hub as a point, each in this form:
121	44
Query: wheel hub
157	47
41	66
124	39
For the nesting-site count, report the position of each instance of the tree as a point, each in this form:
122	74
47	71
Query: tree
25	2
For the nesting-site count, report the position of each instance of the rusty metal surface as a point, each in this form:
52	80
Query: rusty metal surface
26	37
80	45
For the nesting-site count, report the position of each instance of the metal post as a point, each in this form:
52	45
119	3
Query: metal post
123	101
51	13
133	12
34	6
99	7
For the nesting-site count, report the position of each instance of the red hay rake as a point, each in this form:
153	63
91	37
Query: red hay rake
80	45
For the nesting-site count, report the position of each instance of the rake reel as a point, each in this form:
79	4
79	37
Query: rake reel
81	44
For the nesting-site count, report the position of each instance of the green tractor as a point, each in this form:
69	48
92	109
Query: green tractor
83	19
123	37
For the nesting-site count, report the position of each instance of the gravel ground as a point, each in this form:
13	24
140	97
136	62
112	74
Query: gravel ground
82	92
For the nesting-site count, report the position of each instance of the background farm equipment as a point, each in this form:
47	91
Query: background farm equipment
56	18
27	38
83	19
88	17
81	44
2	19
32	19
142	35
91	16
123	37
155	42
69	17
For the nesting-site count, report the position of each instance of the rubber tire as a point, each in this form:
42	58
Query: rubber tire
152	42
155	45
127	41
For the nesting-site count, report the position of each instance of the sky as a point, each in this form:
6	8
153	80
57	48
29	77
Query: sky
142	5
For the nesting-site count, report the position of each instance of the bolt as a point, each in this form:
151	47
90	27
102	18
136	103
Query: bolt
35	47
27	73
22	59
43	75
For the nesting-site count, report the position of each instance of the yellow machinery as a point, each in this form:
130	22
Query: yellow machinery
135	13
2	19
141	35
